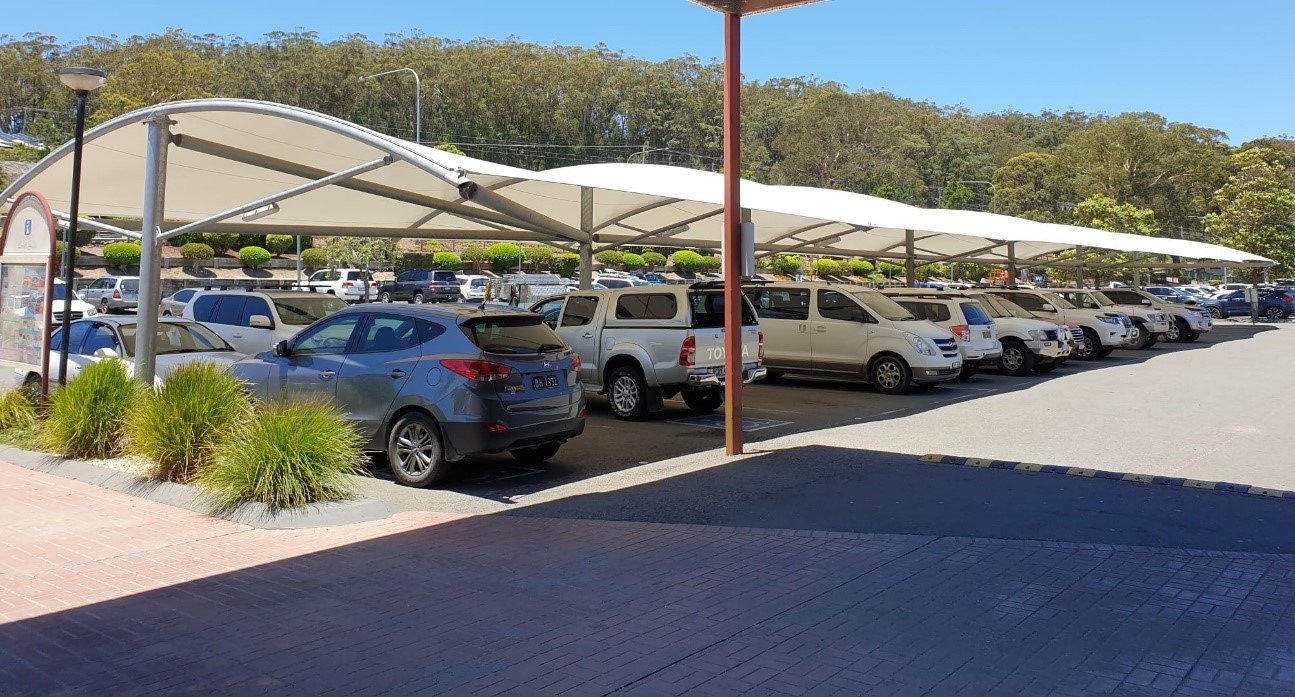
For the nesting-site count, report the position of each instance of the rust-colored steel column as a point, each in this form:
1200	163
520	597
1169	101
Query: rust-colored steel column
732	249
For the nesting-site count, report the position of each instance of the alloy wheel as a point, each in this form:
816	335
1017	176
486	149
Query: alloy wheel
1012	358
625	393
889	376
415	450
1274	313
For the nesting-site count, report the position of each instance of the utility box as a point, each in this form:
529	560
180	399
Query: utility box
524	289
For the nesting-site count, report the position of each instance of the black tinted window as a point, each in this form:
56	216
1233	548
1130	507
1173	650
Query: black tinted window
184	295
255	306
579	311
835	305
230	310
974	314
445	277
513	334
647	306
204	308
934	312
384	334
708	310
100	337
780	303
1027	301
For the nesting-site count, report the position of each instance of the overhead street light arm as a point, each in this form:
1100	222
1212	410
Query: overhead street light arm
418	98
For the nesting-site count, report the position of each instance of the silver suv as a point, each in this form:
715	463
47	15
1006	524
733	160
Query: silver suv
113	293
432	384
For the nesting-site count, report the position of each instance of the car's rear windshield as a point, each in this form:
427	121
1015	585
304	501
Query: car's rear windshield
303	310
882	305
974	313
707	310
130	285
511	334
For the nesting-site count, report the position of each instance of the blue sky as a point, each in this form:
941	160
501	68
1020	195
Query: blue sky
1222	67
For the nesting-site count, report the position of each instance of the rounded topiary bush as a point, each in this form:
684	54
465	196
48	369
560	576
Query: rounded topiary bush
633	262
827	267
254	257
184	238
280	244
197	251
539	255
859	267
446	260
87	416
654	259
505	255
688	261
314	258
712	264
609	257
786	265
177	426
122	254
287	455
220	241
566	264
474	254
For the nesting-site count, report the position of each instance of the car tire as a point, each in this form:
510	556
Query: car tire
104	307
1215	312
1177	330
1105	351
1141	338
1017	358
384	297
890	375
1046	367
627	393
415	451
536	454
703	401
773	375
1191	336
1092	346
1274	313
417	298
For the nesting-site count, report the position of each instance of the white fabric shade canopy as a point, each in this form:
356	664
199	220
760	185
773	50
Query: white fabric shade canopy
227	154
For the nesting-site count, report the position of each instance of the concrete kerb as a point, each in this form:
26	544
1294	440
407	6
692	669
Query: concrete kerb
254	515
1103	474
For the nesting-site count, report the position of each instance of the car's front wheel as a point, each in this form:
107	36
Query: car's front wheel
890	375
1141	338
1177	330
627	393
417	299
1017	359
1092	347
415	451
1215	312
703	401
536	454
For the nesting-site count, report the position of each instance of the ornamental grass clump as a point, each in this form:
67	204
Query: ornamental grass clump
17	411
87	416
177	426
287	455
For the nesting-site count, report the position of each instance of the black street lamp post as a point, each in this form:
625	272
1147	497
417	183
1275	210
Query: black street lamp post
84	81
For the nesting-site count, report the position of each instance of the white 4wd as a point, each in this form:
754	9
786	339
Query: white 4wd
1148	324
347	284
1103	331
1189	321
643	345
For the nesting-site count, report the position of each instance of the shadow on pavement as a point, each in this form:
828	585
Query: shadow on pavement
825	488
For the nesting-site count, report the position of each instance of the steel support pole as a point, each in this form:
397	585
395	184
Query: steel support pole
1079	270
69	244
732	247
150	268
910	264
1012	272
298	260
587	246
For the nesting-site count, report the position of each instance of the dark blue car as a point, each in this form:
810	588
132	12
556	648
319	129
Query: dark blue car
1274	304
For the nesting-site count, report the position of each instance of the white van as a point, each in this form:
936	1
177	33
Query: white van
850	332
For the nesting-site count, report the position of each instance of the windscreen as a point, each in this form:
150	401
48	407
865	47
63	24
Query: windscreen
174	337
991	306
882	305
708	310
1011	308
1102	298
514	334
305	309
1058	301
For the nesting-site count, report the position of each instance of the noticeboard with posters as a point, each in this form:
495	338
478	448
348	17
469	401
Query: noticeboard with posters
27	248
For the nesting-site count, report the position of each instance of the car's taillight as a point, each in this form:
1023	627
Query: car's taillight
761	346
688	352
482	371
961	331
116	294
347	284
575	362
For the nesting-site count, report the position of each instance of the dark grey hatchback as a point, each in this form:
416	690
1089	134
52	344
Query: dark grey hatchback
431	384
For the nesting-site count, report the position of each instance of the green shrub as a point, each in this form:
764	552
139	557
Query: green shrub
539	255
633	262
414	260
254	257
859	267
712	264
566	264
890	269
314	258
431	246
220	241
827	267
688	261
787	264
196	252
474	254
609	257
83	237
87	416
122	254
17	410
446	260
654	259
178	426
505	255
184	238
249	241
287	455
280	244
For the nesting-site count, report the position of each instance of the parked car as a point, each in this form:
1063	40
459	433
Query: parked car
1148	324
472	287
78	307
1189	319
421	285
641	346
113	293
102	338
851	332
1071	335
1224	288
1170	293
1103	331
614	282
347	284
969	323
651	277
254	321
1274	304
173	305
1028	344
432	384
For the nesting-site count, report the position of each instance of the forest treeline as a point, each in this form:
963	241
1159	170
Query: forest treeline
550	106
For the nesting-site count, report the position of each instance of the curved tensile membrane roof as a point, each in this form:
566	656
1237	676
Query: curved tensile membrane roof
228	153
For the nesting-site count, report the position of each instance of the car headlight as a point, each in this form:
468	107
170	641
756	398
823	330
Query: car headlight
1038	335
921	345
1108	319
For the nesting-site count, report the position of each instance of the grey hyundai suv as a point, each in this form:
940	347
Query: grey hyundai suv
432	384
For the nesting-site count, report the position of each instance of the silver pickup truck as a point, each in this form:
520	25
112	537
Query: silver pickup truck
643	345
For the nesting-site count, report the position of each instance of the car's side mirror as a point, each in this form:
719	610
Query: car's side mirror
1047	307
105	352
259	322
281	349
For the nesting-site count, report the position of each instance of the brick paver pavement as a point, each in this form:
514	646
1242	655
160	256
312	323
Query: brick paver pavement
105	594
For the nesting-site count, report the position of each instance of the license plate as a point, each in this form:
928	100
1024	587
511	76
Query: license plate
719	372
544	382
984	335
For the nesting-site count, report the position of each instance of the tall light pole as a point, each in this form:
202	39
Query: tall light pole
418	98
84	81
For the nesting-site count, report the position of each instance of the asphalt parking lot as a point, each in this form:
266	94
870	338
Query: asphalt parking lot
773	409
